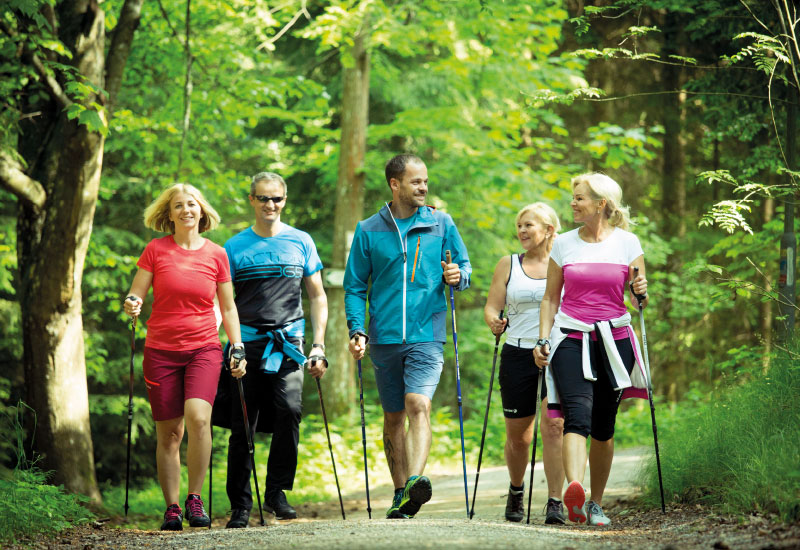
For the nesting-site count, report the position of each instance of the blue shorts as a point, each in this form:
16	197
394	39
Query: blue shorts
406	368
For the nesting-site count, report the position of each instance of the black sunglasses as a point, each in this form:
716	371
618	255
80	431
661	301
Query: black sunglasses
265	199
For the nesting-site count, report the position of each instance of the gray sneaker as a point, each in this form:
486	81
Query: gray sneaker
596	515
554	512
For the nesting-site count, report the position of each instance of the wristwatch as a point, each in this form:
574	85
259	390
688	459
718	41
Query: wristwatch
542	342
320	346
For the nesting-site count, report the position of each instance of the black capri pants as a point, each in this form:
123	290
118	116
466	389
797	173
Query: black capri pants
589	408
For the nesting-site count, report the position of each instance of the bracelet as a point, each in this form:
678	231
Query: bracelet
320	346
238	345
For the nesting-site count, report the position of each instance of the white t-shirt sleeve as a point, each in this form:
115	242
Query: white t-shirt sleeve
633	247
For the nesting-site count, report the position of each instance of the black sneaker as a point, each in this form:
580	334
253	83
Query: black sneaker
195	512
394	511
276	503
514	507
173	518
417	492
554	512
239	519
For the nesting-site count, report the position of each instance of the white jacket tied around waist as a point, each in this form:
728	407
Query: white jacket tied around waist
634	385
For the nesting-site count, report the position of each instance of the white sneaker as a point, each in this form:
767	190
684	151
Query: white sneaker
596	515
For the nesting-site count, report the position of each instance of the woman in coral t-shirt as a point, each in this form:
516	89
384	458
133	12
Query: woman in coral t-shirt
183	354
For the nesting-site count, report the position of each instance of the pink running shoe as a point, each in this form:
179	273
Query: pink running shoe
575	502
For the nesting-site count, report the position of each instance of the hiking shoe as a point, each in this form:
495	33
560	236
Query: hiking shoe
276	503
515	510
239	519
554	512
394	511
417	492
173	518
195	512
575	501
596	515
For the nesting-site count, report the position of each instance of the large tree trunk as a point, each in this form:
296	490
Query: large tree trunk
349	210
57	196
673	184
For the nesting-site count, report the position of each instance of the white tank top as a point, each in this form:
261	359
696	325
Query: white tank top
523	296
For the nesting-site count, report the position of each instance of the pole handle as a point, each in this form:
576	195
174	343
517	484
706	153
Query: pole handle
639	297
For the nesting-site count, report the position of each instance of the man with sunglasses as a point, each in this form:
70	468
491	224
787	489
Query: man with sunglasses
268	262
402	251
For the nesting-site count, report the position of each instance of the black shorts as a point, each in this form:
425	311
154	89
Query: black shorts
518	379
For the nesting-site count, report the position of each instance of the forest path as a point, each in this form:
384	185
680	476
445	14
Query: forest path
442	523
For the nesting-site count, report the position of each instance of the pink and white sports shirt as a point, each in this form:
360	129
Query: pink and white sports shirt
595	275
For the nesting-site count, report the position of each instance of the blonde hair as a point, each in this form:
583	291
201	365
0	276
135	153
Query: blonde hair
543	214
603	187
156	216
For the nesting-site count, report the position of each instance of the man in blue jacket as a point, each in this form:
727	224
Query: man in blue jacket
402	250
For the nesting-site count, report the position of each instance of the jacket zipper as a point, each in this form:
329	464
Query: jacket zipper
403	246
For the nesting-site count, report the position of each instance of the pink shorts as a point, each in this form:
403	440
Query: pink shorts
172	377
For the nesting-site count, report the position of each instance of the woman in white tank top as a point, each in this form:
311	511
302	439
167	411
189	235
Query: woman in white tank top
517	287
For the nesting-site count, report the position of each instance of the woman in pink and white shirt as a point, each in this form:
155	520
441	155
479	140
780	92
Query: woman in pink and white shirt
588	342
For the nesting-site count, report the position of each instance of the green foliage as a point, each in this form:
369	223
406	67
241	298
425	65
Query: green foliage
32	507
738	451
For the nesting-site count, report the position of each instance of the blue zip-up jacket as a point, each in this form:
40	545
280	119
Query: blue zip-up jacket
407	303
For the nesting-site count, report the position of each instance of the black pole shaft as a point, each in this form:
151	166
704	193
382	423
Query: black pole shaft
250	447
485	423
130	414
211	477
330	447
649	389
535	437
364	435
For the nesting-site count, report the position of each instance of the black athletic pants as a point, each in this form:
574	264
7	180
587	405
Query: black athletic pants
283	392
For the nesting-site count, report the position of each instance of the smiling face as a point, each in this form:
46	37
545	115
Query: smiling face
410	191
268	212
584	207
532	232
185	212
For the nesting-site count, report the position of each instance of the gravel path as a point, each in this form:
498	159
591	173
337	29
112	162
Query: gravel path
441	523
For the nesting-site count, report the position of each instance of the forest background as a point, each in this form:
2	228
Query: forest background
690	106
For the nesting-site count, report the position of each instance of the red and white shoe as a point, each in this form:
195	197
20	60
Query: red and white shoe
575	502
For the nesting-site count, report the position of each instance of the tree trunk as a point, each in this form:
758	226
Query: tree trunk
673	183
349	210
57	197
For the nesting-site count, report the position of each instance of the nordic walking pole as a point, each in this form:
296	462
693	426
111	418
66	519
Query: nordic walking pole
458	388
536	420
325	420
211	476
238	354
363	433
130	409
485	420
641	297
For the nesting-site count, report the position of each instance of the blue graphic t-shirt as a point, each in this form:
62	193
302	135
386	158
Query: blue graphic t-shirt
267	273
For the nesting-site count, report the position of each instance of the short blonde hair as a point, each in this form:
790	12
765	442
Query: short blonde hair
603	187
156	216
544	214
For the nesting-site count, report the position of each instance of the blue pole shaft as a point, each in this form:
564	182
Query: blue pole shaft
460	409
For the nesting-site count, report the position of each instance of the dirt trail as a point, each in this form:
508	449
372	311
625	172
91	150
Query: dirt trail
443	523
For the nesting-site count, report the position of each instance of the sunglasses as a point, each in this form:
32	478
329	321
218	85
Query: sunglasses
265	199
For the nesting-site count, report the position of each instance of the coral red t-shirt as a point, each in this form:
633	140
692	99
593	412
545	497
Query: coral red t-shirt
184	286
